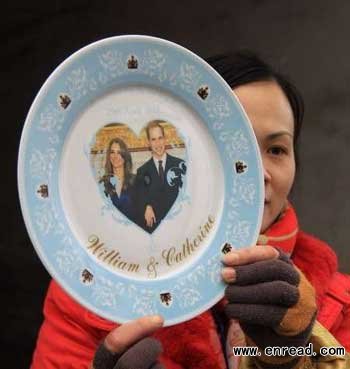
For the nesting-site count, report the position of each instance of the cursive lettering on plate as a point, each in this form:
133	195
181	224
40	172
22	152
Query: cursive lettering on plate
110	257
174	255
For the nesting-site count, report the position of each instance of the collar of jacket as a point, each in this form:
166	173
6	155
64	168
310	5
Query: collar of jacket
283	233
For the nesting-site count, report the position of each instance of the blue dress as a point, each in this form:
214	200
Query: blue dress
124	202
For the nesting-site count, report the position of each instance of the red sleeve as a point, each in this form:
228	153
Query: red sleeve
66	339
319	264
334	313
71	334
342	333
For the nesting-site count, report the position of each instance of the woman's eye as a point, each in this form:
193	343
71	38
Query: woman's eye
277	150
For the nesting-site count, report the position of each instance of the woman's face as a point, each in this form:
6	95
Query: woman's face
115	157
272	119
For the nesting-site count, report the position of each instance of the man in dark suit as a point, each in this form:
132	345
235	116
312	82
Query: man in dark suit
158	180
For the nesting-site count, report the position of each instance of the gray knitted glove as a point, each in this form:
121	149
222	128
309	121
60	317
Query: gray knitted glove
275	306
142	355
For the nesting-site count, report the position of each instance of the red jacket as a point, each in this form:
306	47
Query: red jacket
70	334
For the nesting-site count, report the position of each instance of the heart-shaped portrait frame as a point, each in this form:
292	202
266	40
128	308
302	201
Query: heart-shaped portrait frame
141	176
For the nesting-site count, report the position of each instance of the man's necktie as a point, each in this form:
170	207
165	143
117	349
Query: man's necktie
161	170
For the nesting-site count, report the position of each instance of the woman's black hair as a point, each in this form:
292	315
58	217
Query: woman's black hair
125	153
245	67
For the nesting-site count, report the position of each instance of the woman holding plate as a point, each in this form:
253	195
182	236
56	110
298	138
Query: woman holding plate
285	291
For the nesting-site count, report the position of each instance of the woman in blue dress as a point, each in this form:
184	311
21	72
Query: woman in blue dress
118	179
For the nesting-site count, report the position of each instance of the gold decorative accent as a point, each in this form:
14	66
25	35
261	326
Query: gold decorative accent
132	62
86	276
226	248
152	267
166	298
43	191
65	100
203	92
240	167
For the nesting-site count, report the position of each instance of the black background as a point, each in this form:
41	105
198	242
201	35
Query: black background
307	40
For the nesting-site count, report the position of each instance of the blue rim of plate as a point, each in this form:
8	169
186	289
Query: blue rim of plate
103	66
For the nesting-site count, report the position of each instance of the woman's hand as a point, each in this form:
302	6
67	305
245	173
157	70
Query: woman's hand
109	189
271	299
129	347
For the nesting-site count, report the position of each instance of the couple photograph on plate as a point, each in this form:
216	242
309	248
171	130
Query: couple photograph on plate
139	175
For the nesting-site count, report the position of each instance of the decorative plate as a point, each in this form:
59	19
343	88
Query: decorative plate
122	233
